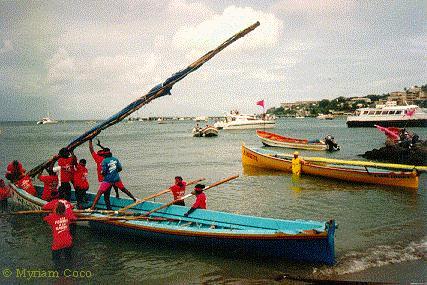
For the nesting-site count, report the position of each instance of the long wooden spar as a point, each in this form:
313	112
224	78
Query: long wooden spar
159	90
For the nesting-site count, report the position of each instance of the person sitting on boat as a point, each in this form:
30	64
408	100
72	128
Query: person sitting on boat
4	195
62	242
330	142
178	190
297	164
67	164
81	183
111	167
16	174
200	199
98	157
14	171
50	182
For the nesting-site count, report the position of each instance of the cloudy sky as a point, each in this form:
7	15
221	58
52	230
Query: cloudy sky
88	59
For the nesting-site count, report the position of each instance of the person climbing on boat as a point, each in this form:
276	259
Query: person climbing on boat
178	190
62	242
297	164
4	195
15	173
111	167
81	183
98	157
67	164
200	202
50	182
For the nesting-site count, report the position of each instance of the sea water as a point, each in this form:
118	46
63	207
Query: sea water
382	230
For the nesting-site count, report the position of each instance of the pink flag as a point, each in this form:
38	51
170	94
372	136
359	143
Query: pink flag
410	112
260	103
392	133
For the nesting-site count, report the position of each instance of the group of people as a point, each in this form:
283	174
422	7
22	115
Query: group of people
57	191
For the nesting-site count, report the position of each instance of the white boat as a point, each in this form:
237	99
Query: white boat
208	131
391	116
237	121
201	119
47	120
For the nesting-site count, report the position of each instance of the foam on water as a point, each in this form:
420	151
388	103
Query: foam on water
377	256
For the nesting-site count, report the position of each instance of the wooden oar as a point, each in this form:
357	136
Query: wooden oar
191	194
356	162
154	196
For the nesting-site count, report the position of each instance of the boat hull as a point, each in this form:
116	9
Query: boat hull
271	139
298	240
254	158
387	123
266	125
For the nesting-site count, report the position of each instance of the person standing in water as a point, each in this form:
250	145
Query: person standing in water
297	164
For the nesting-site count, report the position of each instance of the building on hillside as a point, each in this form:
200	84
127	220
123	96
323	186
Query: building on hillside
364	99
288	106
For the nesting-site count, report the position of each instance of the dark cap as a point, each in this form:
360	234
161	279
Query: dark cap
199	187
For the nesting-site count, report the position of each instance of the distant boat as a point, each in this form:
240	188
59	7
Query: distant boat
237	121
208	131
47	120
272	139
201	119
299	117
394	116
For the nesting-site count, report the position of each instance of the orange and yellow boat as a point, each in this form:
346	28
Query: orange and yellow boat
262	158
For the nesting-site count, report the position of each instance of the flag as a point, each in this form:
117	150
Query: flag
260	103
392	133
410	112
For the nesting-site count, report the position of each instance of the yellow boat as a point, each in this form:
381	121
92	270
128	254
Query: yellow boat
262	158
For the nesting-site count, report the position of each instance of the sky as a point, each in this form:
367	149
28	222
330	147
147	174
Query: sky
89	59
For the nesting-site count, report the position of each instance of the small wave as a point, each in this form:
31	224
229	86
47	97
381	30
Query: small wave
377	256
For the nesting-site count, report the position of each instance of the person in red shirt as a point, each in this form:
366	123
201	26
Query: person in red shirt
50	182
62	242
98	157
14	171
81	183
67	164
51	206
178	190
200	199
4	194
26	184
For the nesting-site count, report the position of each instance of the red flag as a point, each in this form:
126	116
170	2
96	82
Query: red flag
260	103
392	133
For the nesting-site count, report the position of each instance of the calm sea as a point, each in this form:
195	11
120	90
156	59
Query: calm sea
379	227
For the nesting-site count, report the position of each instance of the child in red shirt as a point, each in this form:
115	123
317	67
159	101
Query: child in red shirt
50	181
178	190
4	194
200	199
66	174
80	182
62	241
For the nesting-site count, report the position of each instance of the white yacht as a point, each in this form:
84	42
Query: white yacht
47	120
237	121
392	116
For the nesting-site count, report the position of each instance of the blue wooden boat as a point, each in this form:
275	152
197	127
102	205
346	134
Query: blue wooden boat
298	240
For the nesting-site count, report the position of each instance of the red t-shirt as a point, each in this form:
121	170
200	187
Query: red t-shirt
50	186
26	184
52	206
200	201
4	193
60	230
11	168
67	168
80	177
98	160
178	191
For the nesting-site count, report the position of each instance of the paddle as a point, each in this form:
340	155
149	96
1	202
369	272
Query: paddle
357	162
191	194
155	195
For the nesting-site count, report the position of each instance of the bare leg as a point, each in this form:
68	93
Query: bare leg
117	191
126	191
107	199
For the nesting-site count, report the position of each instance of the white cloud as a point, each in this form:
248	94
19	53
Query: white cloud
7	46
195	10
210	33
61	67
